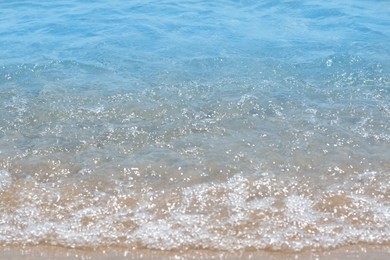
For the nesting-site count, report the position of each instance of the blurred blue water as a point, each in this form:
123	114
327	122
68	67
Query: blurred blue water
142	39
116	34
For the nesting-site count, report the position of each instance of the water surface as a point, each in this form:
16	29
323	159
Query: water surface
195	124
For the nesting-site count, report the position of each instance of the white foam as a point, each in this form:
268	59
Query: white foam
5	180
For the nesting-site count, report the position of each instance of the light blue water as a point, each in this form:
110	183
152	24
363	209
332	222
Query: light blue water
195	124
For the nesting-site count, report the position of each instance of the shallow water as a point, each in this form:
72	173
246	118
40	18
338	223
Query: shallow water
202	125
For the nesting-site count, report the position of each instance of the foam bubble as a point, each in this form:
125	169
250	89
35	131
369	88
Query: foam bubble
5	180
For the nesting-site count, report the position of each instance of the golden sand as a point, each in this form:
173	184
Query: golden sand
51	252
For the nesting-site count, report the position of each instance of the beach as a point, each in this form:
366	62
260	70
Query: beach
50	252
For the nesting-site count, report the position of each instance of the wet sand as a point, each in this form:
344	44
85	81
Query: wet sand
371	252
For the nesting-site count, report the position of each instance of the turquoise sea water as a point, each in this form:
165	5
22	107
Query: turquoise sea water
195	124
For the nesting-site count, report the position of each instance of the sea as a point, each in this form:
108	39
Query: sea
185	125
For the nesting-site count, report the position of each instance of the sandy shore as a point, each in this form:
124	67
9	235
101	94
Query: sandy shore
52	252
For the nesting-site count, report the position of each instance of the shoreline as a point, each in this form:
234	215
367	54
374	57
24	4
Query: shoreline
379	252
